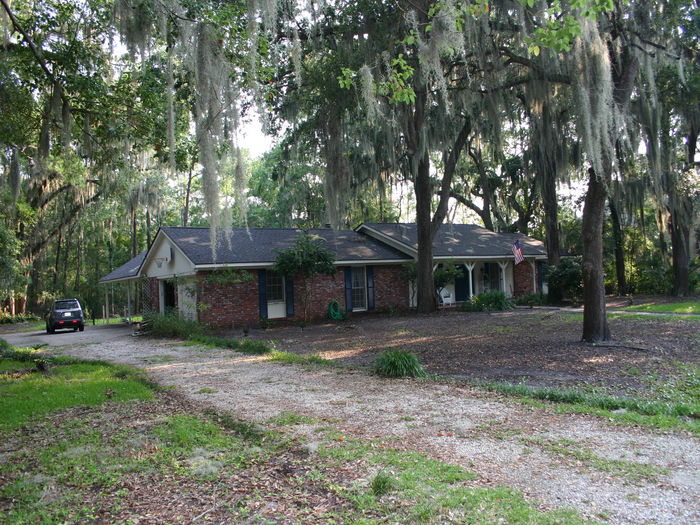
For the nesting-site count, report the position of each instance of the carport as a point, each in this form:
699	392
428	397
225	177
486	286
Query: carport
128	281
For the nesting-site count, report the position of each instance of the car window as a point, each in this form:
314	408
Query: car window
65	305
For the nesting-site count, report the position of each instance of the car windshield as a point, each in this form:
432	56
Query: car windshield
66	305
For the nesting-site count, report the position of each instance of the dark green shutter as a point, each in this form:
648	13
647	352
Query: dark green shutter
370	288
289	295
348	289
262	293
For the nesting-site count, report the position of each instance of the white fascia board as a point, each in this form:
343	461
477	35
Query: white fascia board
370	262
482	257
176	275
402	247
156	242
221	266
253	266
120	279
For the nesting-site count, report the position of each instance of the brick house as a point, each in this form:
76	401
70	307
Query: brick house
234	285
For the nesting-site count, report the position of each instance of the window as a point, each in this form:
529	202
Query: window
275	288
359	288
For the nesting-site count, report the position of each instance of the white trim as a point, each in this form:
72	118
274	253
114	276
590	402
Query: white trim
372	262
459	258
260	265
118	280
149	254
174	275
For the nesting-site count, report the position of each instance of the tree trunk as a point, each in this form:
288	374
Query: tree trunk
58	260
680	242
619	248
595	322
186	209
425	287
134	250
148	227
551	213
78	261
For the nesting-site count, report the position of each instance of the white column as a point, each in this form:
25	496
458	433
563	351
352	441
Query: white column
533	266
470	269
503	265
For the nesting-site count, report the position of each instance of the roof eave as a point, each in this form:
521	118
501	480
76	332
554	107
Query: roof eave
398	245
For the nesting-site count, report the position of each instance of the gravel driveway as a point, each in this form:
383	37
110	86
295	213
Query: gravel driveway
613	473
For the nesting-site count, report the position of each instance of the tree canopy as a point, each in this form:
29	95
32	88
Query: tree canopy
123	115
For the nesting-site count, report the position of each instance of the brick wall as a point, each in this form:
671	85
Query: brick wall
229	305
152	289
522	279
390	288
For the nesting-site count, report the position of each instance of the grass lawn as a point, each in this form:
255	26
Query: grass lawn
690	307
88	442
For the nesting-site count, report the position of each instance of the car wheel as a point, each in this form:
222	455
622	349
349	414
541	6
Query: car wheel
81	328
48	330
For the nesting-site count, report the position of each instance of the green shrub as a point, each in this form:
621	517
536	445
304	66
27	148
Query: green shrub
170	325
398	363
533	299
19	318
248	346
493	301
565	281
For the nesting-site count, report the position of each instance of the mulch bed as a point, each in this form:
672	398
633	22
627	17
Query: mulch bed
540	347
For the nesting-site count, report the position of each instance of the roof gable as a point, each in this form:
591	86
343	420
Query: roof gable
127	271
455	240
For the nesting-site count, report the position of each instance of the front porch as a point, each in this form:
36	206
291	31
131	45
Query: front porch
481	276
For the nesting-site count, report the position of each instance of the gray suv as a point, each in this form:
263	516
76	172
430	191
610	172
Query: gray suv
65	313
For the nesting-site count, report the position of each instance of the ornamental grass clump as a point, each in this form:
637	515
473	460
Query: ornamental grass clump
398	363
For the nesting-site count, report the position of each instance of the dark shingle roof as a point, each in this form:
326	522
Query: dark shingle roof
258	245
461	240
125	271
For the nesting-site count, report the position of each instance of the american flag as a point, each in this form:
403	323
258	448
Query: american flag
518	252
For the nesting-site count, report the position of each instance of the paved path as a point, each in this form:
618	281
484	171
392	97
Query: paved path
506	443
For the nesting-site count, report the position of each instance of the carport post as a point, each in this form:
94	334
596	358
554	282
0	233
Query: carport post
128	299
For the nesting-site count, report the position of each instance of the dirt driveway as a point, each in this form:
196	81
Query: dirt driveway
620	474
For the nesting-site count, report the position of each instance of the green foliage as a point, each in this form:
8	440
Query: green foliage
11	271
248	346
382	483
306	258
291	358
398	363
533	299
170	325
671	413
64	384
689	307
230	276
493	301
565	281
19	318
446	273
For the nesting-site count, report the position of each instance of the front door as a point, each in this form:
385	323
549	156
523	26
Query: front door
462	285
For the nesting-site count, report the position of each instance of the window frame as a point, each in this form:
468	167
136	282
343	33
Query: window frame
268	280
363	289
